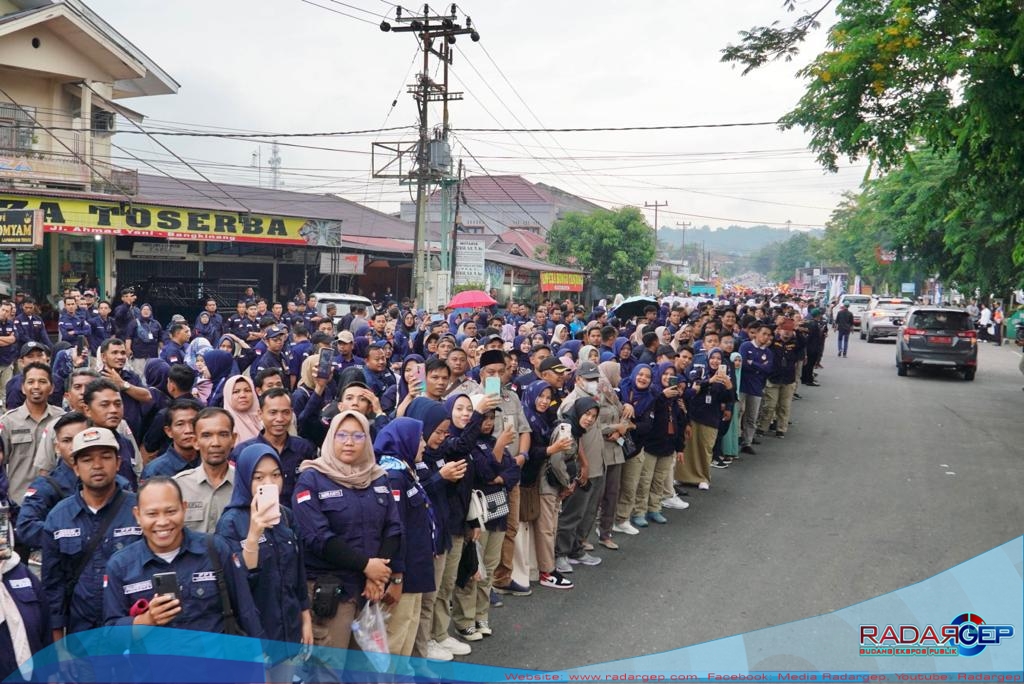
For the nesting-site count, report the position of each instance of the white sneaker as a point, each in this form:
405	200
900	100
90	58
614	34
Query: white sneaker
585	559
436	652
703	485
675	502
562	565
455	647
625	528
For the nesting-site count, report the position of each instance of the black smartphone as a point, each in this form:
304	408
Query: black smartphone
80	343
673	381
323	366
165	583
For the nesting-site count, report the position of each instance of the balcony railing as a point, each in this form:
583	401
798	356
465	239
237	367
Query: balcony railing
35	169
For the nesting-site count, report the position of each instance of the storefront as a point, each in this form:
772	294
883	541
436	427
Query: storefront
522	279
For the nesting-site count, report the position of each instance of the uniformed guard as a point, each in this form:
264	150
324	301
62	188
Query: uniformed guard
83	531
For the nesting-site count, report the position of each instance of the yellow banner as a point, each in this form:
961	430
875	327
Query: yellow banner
569	282
128	219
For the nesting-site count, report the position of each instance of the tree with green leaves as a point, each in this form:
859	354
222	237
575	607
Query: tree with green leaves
905	76
779	261
614	246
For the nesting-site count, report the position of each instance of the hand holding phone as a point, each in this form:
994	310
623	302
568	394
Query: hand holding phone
421	378
166	584
323	366
492	385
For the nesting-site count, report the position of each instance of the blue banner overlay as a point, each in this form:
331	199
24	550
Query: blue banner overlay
962	625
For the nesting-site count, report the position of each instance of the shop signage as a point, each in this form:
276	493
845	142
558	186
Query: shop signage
174	251
21	229
469	261
339	263
127	219
562	282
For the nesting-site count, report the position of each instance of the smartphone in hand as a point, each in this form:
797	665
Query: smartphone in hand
323	366
166	584
492	385
268	497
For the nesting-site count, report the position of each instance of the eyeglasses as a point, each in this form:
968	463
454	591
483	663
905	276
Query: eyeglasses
345	436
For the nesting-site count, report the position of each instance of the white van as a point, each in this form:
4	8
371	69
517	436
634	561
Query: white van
342	301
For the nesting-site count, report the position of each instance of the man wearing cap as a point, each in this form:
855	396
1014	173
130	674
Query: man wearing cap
82	532
8	346
22	428
274	357
29	326
87	305
345	358
787	350
555	374
173	351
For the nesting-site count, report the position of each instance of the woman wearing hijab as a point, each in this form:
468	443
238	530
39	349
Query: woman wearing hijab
349	526
242	354
409	382
568	476
635	391
268	543
560	336
219	366
590	353
731	438
494	471
622	351
143	338
705	400
521	350
196	348
472	349
204	328
536	401
665	440
399	447
240	401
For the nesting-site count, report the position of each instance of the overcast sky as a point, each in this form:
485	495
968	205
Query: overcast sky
287	66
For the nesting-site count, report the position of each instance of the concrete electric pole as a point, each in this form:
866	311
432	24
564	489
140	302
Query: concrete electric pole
655	205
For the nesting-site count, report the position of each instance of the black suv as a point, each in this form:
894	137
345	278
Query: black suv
939	337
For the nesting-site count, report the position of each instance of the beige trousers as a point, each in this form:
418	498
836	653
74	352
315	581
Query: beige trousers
470	604
628	494
404	623
775	406
545	529
445	589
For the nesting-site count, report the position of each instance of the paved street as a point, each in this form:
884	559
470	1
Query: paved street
882	481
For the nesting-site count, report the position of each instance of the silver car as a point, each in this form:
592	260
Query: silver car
884	318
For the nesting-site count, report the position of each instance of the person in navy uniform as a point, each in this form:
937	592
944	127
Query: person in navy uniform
269	546
29	326
8	345
167	546
349	525
143	338
214	326
101	325
237	324
276	414
25	629
179	425
74	560
274	356
71	325
178	335
126	312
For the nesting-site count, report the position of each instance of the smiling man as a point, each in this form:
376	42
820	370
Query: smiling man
207	489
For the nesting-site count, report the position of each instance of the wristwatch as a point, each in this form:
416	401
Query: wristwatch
125	386
397	580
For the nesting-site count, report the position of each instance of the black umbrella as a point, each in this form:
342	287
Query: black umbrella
634	306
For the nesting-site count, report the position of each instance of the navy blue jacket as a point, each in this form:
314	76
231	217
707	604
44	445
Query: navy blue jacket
757	365
278	584
296	450
40	498
268	360
145	335
24	588
212	331
71	326
486	468
704	402
172	352
168	464
29	328
68	530
9	354
130	578
785	356
101	329
366	520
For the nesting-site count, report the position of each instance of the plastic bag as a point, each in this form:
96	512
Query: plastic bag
371	634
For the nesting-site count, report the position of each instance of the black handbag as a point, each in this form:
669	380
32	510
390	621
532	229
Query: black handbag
629	446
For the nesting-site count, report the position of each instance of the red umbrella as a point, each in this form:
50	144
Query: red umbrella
470	299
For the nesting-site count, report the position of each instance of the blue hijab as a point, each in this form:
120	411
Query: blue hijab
403	386
245	465
659	370
429	412
538	421
221	366
641	399
571	346
399	439
449	404
156	373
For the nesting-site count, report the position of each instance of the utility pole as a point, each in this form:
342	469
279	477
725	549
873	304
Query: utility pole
655	205
433	157
682	248
457	224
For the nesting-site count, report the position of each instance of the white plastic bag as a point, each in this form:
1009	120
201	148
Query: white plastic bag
371	634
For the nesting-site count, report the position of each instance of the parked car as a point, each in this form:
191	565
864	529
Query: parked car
858	304
938	337
343	303
884	317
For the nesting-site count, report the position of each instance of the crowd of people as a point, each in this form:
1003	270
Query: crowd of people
270	472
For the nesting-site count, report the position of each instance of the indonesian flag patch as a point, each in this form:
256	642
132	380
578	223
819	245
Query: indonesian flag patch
396	494
105	581
303	496
30	491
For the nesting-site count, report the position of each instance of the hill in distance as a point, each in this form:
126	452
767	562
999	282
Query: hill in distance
731	240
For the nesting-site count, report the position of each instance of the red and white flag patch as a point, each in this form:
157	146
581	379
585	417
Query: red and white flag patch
303	496
396	494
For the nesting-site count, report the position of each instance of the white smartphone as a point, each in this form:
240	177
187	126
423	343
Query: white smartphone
268	497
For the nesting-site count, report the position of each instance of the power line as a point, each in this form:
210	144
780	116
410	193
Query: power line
204	134
605	129
344	14
502	187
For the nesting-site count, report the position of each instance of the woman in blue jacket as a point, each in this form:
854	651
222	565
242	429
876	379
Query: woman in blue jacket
268	543
399	447
664	441
349	526
494	472
25	629
706	398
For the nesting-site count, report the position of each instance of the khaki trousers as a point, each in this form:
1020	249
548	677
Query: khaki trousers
403	625
628	485
6	373
425	630
503	573
445	588
524	563
335	632
545	529
651	486
775	406
697	457
471	603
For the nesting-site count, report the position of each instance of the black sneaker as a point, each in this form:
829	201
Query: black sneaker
780	434
748	450
719	463
774	426
759	433
797	396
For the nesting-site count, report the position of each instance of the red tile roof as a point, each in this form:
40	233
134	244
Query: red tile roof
502	190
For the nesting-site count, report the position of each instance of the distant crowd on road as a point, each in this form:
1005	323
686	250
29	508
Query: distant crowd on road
298	466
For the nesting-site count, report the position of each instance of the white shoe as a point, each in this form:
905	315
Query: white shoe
455	647
562	565
703	485
437	652
625	528
675	502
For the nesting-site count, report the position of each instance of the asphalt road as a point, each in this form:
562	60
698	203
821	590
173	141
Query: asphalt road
881	482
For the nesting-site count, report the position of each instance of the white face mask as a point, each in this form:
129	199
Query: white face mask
590	386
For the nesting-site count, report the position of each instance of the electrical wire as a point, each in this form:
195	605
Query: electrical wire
344	14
